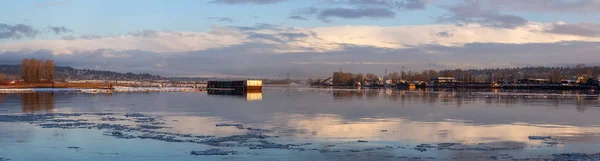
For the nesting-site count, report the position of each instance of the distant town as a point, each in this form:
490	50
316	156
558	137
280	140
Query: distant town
577	77
580	76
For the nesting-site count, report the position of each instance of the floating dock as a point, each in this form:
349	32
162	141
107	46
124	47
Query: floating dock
235	85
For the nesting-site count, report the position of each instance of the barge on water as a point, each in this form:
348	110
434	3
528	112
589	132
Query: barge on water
235	85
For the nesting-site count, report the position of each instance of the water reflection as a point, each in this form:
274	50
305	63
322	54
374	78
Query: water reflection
581	99
34	102
30	102
2	96
248	95
343	116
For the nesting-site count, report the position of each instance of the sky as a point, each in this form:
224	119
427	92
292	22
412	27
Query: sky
306	38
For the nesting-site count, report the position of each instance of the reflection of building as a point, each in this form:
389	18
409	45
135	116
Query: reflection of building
254	96
32	102
248	95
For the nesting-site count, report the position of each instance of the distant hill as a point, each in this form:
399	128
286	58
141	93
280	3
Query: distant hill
69	73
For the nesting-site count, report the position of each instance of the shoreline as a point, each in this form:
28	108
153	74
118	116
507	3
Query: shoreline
115	89
58	85
503	86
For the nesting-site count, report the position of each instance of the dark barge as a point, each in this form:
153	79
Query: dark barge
235	85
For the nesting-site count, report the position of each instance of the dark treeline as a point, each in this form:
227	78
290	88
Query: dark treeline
36	71
63	73
87	74
553	74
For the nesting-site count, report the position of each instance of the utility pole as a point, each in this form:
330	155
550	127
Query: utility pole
402	74
385	73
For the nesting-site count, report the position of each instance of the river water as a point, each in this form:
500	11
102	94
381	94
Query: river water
301	123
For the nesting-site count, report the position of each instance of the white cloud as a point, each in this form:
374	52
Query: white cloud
317	39
273	51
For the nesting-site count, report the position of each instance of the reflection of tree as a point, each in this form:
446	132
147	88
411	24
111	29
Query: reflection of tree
463	97
32	102
584	102
2	96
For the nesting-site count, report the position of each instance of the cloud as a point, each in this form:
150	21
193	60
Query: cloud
242	60
581	29
17	31
220	19
261	36
444	34
261	26
266	50
295	17
68	37
288	39
472	11
357	9
570	6
144	34
414	4
305	11
259	2
293	36
350	13
392	4
89	37
59	30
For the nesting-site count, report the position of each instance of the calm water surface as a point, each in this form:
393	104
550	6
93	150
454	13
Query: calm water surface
327	118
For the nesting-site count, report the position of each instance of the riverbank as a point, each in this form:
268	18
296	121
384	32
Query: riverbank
58	85
114	89
473	86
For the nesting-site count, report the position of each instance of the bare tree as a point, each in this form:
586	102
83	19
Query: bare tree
25	75
395	77
37	70
425	75
371	76
49	70
556	76
33	70
359	77
433	74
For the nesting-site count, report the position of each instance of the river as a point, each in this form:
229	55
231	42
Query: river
300	123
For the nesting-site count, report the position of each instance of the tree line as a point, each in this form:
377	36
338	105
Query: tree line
37	71
553	74
341	78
